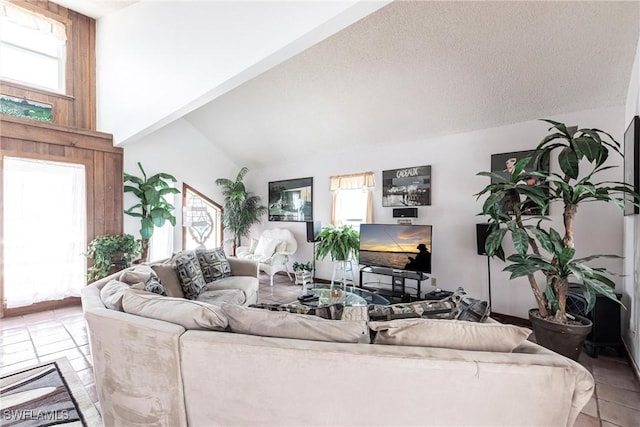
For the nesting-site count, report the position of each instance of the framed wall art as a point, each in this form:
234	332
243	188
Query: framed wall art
632	163
503	164
406	187
291	200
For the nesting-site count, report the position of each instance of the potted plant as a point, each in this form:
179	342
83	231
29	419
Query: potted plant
342	244
111	253
581	154
241	208
152	208
303	272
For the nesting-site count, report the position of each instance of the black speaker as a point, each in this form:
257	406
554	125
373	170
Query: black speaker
313	228
405	213
482	232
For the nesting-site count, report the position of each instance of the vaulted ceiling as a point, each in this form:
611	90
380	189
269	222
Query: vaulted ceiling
413	70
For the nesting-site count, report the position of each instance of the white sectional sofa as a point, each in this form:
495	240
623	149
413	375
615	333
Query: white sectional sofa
152	372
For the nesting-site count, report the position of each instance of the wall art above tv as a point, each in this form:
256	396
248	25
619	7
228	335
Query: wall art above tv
291	200
407	186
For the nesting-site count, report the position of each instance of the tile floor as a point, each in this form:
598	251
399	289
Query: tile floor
40	337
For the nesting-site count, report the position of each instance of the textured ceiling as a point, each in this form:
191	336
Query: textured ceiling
415	70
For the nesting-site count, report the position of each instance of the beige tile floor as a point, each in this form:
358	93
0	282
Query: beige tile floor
40	337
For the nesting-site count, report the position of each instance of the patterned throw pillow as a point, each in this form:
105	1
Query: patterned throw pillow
444	309
331	312
213	263
190	274
154	285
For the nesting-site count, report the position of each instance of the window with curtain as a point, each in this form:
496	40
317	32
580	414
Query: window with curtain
45	231
352	199
32	47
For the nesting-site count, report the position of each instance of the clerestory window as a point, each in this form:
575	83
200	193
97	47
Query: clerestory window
32	48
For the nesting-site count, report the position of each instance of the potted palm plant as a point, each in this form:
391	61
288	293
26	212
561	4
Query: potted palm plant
581	154
152	208
342	244
241	208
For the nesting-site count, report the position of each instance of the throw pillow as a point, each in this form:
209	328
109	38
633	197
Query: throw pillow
266	247
281	324
453	334
332	312
186	313
169	279
137	274
112	293
190	274
253	245
154	285
213	263
445	309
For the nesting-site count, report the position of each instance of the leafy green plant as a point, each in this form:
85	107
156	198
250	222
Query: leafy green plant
339	242
581	155
241	208
298	266
109	251
152	209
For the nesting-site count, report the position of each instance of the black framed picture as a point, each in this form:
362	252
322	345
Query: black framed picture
291	200
632	163
407	187
503	164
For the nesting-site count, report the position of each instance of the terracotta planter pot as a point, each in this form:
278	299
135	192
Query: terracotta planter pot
567	340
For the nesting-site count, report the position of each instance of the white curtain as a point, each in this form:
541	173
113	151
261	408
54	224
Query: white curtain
358	181
45	233
25	18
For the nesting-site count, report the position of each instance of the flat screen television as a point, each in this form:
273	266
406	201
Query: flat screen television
396	246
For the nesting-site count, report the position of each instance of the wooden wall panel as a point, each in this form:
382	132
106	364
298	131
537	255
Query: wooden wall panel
103	164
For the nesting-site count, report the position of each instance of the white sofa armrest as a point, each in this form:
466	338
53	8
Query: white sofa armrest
242	251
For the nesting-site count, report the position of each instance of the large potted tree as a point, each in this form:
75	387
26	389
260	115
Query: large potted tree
341	244
152	208
241	208
541	250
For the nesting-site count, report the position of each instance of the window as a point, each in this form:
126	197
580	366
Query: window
352	199
201	219
32	47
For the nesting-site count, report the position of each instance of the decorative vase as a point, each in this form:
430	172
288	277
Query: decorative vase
567	340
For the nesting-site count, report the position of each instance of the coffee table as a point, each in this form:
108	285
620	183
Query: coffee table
352	297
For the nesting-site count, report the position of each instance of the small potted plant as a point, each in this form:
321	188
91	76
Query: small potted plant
111	253
342	244
303	272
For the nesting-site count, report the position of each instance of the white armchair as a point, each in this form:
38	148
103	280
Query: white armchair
271	251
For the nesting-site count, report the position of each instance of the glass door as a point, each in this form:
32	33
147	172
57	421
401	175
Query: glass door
45	231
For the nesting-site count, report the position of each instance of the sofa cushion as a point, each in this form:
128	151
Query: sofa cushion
190	274
453	334
281	324
220	296
266	247
247	284
169	279
137	274
186	313
213	263
112	293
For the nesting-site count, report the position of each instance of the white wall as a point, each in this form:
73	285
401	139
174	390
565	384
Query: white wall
180	150
177	55
455	160
631	282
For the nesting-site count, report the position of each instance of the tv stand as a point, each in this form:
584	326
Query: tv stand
398	282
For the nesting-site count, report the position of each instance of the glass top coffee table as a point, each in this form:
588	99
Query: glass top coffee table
352	297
